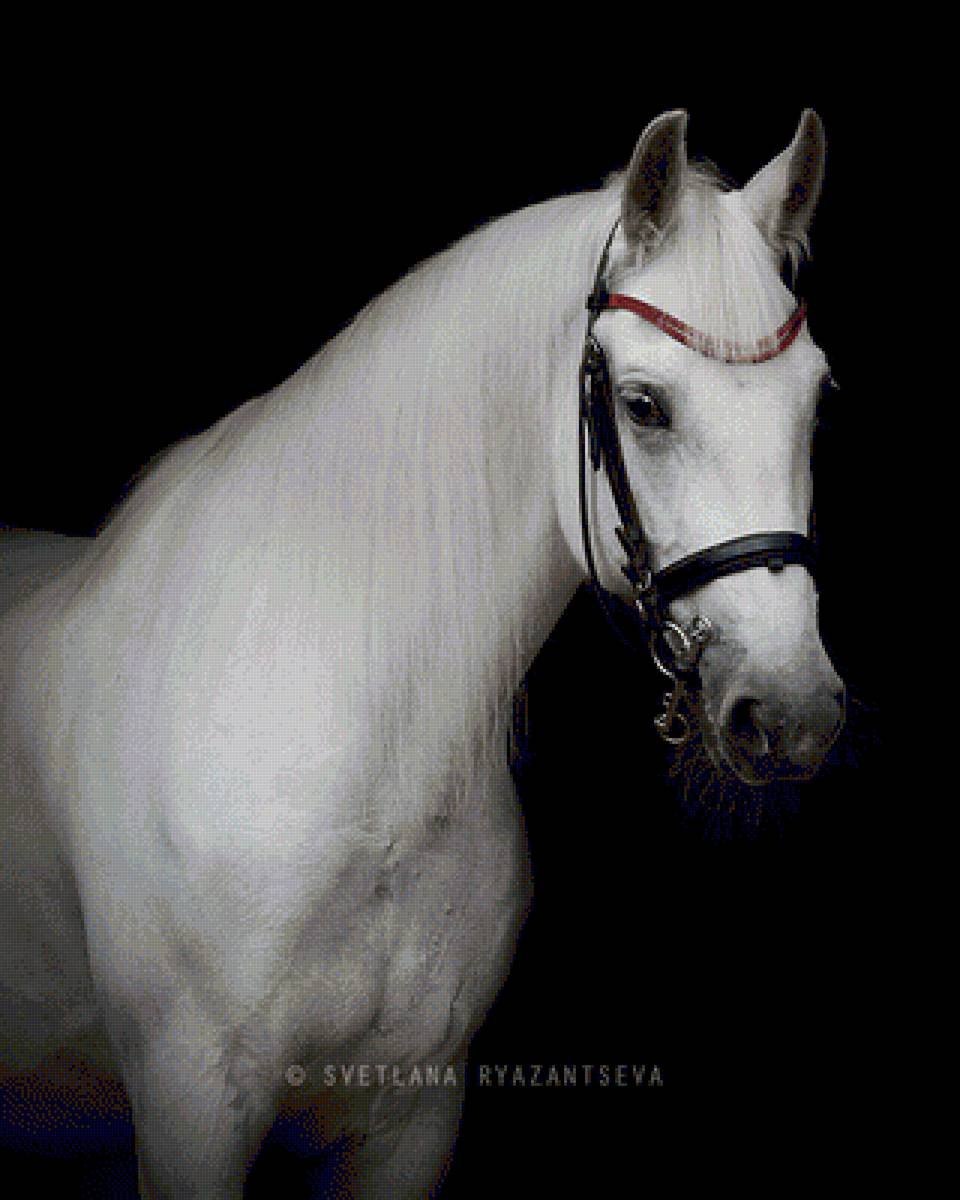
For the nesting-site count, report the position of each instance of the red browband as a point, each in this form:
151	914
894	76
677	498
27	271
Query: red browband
726	351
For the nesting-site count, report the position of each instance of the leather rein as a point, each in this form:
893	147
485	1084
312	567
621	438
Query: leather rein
675	649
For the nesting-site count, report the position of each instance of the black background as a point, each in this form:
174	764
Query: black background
189	228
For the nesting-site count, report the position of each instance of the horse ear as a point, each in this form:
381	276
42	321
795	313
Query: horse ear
654	179
782	197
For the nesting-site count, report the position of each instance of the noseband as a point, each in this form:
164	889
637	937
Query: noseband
675	650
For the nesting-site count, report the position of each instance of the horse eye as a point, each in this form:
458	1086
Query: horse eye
644	407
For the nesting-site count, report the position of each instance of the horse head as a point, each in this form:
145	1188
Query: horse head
712	399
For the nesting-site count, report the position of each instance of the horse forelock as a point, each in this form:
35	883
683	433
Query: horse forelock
721	275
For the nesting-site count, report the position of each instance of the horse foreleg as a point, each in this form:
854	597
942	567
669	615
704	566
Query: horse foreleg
201	1108
407	1150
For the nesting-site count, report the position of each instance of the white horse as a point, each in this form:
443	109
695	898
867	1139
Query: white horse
257	820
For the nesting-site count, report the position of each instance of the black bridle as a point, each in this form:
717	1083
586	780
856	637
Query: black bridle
675	650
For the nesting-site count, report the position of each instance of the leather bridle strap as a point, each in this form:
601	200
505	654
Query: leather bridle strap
772	550
710	347
598	416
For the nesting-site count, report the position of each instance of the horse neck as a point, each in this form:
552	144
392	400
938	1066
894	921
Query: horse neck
435	422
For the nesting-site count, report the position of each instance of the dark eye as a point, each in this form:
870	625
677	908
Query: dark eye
645	406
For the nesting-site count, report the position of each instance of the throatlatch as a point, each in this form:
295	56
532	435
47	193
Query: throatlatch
675	650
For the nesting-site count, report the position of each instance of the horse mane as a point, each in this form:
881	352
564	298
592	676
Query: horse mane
450	377
388	480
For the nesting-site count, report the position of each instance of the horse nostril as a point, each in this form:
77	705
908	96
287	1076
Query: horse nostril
744	725
769	732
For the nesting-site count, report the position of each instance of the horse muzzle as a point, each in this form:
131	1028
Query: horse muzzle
779	726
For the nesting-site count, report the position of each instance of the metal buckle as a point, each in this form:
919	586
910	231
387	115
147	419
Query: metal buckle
685	646
643	596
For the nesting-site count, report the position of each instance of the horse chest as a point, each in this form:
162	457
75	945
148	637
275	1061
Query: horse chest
442	905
